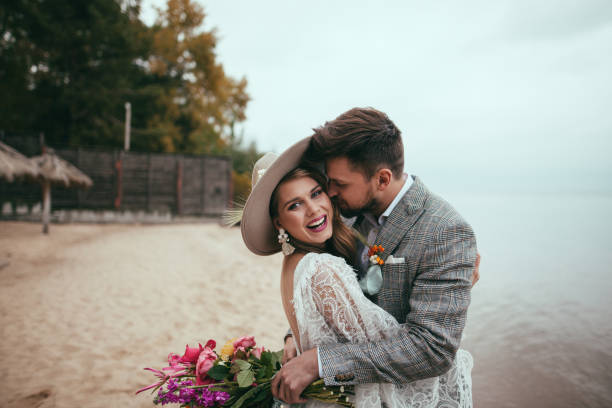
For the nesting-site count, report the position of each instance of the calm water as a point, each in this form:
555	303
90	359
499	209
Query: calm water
540	322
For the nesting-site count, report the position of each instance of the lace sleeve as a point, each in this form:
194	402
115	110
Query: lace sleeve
336	305
330	307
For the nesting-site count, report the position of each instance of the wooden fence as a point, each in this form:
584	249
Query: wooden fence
180	184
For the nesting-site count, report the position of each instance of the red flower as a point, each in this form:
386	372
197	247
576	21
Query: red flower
191	354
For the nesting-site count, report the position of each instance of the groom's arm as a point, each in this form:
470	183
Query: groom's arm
428	341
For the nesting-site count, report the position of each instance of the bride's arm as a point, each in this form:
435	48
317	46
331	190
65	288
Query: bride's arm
335	303
329	290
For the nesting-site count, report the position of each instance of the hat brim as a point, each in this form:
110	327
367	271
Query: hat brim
257	229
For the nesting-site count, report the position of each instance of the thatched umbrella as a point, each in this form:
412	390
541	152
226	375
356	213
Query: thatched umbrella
15	165
52	169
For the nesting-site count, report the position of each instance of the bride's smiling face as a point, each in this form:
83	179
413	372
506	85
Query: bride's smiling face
304	210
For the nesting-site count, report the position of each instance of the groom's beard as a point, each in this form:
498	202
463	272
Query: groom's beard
348	212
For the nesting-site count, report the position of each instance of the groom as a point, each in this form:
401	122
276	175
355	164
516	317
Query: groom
426	286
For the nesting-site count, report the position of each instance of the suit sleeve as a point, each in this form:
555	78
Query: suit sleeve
427	343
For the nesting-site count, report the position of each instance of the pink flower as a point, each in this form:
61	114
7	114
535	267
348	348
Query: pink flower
211	344
243	343
205	362
173	359
162	378
191	354
257	352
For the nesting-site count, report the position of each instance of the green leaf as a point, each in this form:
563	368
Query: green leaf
219	372
243	365
266	358
261	373
245	378
277	357
271	362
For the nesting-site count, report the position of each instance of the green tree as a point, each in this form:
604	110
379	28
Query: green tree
66	68
202	104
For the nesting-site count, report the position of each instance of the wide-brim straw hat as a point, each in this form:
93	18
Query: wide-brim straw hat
257	229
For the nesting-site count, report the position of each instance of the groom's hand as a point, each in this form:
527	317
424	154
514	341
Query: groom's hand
295	376
289	351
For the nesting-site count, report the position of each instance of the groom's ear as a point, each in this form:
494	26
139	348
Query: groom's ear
384	179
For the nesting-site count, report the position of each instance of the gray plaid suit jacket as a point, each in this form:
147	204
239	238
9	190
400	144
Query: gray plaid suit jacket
428	294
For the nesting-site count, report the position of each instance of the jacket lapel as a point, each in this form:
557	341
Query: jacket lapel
403	217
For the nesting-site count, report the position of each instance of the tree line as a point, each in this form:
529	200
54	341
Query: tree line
67	68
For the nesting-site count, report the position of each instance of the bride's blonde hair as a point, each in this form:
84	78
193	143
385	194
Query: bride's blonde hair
343	240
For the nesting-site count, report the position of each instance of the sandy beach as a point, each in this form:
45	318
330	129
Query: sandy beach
85	308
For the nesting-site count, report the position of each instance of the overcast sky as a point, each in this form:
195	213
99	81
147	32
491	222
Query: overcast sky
489	95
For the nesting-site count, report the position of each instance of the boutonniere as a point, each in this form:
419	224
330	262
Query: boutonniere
375	259
372	281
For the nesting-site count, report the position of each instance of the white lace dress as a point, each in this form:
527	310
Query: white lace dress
330	307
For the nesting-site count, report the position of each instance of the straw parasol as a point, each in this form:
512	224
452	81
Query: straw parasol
52	169
15	165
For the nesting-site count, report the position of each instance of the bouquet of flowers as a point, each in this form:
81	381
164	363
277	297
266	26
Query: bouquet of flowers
238	376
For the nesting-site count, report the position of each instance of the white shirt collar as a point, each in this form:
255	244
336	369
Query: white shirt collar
407	183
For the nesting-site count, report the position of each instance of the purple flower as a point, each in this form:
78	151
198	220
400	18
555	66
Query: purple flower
221	396
206	399
186	395
177	391
172	386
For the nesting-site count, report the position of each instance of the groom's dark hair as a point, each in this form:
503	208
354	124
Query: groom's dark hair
365	136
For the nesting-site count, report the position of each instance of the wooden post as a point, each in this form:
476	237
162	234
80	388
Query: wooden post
46	205
128	119
46	187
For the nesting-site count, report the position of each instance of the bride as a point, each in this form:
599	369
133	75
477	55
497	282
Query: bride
289	210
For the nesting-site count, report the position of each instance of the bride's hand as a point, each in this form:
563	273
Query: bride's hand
293	377
289	351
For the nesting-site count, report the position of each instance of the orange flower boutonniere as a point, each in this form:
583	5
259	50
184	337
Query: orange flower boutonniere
372	254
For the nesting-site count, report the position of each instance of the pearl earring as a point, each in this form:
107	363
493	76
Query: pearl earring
283	239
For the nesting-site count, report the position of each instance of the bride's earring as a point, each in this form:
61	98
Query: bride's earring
283	239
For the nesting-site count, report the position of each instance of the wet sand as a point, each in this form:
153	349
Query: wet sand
85	308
